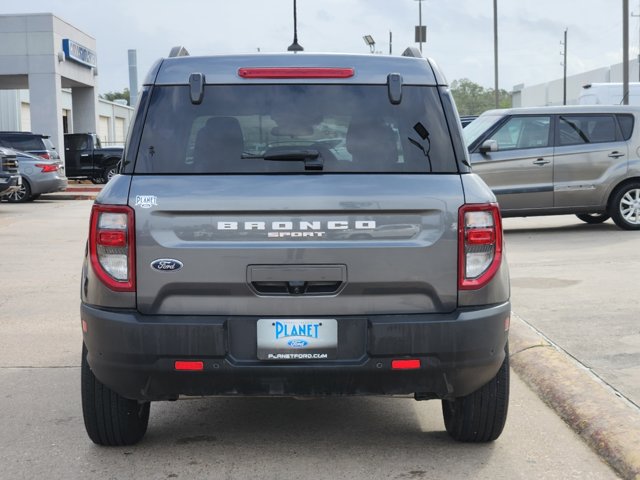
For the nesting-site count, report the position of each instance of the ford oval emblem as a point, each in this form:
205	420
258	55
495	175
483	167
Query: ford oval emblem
166	265
297	343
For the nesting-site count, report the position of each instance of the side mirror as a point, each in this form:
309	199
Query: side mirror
489	146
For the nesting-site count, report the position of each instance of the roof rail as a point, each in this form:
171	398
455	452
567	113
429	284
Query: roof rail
178	51
412	52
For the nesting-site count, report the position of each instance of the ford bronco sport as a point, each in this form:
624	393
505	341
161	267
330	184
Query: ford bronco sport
295	225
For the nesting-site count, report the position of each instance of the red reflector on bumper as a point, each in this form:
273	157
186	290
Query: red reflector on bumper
189	366
408	364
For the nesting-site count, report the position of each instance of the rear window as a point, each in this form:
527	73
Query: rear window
626	125
23	142
580	129
295	128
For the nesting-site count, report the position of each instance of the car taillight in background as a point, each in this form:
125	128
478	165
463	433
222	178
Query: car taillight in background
45	155
46	168
111	246
480	245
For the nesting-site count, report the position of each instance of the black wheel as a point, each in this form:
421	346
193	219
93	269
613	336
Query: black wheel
106	175
109	173
593	218
481	415
625	207
22	195
109	418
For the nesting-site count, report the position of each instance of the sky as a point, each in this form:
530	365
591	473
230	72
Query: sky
459	32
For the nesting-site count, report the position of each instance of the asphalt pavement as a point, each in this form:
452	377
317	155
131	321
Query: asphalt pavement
42	435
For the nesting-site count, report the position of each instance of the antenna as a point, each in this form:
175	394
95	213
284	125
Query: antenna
295	46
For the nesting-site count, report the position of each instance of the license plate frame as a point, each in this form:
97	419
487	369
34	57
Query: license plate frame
297	339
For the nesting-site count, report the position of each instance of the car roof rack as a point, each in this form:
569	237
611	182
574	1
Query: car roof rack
178	51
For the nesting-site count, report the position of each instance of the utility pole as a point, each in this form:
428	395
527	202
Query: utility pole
420	21
564	64
495	51
625	52
390	43
638	16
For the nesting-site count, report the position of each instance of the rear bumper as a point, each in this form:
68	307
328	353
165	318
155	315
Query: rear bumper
135	354
49	185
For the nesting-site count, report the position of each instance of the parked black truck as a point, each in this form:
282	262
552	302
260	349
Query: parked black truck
85	157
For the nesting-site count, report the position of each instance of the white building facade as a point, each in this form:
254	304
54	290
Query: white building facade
551	93
48	82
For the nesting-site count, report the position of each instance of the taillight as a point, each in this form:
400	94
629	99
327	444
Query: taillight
45	155
46	168
480	245
111	246
296	72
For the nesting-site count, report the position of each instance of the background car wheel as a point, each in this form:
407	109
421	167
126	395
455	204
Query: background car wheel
109	173
22	195
109	418
481	415
593	218
106	175
625	207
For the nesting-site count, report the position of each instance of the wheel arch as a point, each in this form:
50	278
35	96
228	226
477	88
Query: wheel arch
618	187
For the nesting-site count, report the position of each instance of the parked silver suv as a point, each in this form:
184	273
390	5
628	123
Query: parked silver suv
300	225
581	160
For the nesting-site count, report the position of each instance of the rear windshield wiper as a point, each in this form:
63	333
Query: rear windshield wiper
310	157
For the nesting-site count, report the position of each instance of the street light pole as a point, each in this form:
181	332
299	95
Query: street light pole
495	51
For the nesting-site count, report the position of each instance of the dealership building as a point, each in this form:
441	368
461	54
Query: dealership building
48	81
552	93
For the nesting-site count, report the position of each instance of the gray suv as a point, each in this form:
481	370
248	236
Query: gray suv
581	160
295	225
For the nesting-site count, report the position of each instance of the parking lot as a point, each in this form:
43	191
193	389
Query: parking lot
572	281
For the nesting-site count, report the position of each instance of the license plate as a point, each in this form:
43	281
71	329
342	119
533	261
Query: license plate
297	339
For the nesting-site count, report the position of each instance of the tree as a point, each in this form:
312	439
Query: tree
473	99
123	95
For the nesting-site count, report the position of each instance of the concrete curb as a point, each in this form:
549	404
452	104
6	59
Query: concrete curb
608	423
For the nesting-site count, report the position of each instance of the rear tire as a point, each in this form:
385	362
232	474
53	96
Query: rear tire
109	418
106	175
593	218
481	415
625	207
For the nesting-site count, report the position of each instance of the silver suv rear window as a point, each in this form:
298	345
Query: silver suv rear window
347	128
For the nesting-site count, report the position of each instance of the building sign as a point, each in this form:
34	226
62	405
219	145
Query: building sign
76	52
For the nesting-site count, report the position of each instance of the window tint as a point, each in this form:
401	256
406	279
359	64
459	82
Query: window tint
626	125
76	142
580	129
351	128
523	132
23	142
